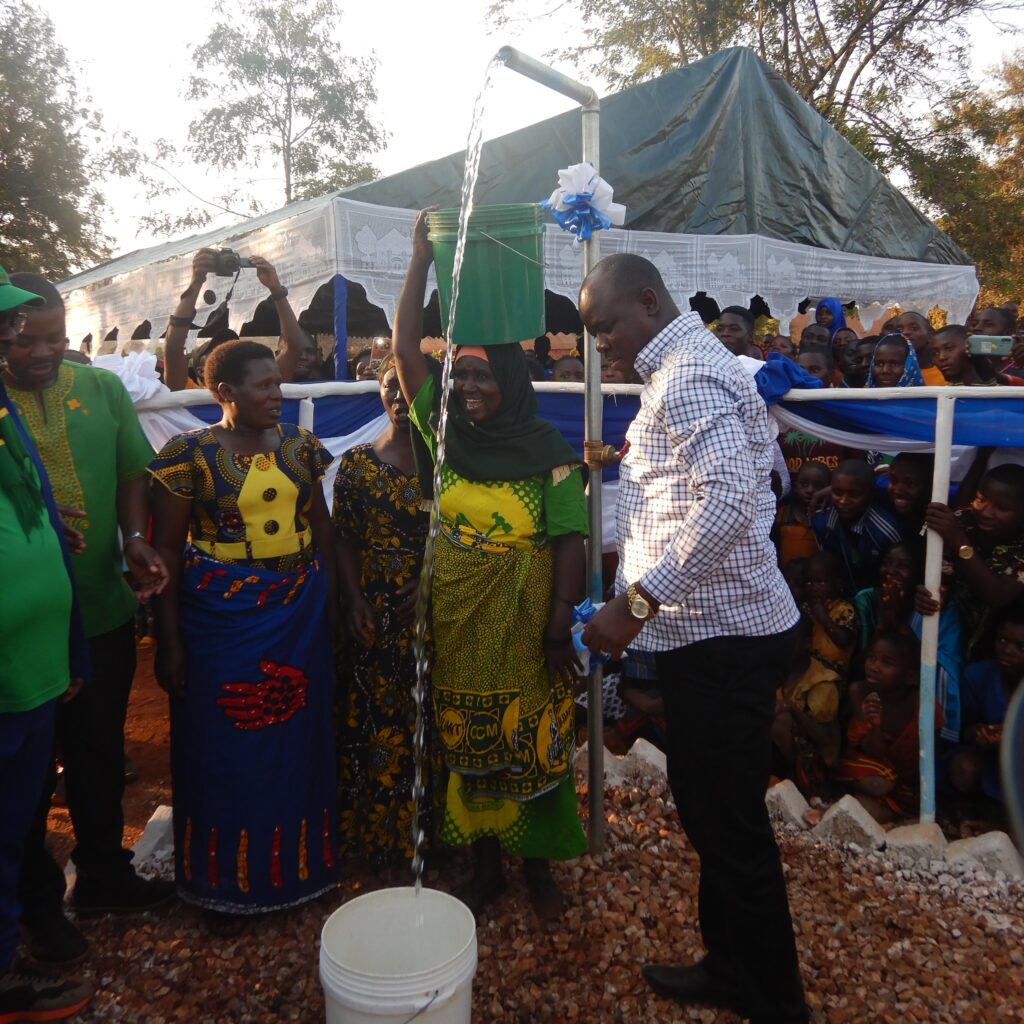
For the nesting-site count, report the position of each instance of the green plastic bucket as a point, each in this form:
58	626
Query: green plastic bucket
501	290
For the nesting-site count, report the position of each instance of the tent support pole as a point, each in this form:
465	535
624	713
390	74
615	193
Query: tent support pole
944	409
340	328
592	422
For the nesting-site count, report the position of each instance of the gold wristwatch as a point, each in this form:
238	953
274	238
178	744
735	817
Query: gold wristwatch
965	551
639	606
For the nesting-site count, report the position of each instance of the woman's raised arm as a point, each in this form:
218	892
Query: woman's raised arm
409	358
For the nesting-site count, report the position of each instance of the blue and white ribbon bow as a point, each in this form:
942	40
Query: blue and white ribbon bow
581	615
582	203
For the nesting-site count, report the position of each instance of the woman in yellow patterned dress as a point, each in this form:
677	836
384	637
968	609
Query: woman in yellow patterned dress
379	532
244	646
509	567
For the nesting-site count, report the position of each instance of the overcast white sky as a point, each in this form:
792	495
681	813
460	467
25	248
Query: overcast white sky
134	59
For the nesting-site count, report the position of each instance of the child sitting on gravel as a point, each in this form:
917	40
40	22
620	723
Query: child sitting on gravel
805	730
880	761
987	688
793	535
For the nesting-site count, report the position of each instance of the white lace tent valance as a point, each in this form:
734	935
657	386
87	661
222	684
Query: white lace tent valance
310	242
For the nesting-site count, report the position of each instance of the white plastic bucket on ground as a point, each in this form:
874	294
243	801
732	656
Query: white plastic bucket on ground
391	957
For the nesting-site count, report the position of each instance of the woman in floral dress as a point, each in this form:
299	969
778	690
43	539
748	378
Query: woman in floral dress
380	531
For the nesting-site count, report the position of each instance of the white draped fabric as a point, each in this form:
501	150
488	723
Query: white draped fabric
311	241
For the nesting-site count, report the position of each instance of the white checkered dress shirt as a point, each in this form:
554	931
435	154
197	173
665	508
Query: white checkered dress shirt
695	505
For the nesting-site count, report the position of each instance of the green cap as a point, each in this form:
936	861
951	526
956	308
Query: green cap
12	296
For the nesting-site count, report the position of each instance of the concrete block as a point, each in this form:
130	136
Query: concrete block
922	844
649	760
993	851
848	822
786	804
157	837
643	759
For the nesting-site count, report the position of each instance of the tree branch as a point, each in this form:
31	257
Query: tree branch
195	195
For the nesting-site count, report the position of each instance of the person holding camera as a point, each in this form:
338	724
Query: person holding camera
297	358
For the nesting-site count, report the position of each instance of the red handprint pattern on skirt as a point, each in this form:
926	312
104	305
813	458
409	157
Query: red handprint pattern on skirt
271	701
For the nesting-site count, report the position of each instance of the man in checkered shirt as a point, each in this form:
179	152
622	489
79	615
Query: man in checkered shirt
699	585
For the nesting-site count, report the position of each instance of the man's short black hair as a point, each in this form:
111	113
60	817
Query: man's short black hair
740	311
809	464
920	318
1009	474
627	272
227	363
957	330
908	646
221	335
855	469
818	350
924	462
1009	321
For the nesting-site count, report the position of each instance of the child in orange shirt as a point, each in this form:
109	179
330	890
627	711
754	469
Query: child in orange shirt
880	763
794	536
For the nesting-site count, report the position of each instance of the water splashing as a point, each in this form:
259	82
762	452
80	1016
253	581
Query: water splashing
474	150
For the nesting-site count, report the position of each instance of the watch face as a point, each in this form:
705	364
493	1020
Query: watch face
639	608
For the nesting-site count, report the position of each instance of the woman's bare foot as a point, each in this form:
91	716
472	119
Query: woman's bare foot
545	896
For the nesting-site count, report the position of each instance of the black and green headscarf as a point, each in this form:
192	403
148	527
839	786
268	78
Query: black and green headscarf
515	443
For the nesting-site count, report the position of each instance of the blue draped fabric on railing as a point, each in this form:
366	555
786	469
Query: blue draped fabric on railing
996	422
340	415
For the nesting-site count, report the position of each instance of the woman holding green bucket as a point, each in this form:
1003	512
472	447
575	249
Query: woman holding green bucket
508	569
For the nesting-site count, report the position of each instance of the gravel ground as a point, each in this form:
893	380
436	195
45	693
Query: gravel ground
876	943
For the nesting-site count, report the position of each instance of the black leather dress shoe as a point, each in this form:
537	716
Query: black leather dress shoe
694	984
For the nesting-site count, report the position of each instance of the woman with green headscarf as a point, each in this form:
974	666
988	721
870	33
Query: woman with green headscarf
508	569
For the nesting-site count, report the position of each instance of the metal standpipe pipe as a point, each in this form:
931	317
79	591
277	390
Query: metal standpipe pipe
533	69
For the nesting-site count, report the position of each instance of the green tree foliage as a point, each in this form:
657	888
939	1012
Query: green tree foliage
277	89
861	63
971	175
52	151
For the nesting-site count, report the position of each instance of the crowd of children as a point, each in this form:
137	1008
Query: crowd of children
851	539
850	534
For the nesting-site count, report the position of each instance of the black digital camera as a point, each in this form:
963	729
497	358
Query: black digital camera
230	263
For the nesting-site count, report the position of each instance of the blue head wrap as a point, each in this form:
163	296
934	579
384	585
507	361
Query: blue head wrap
911	369
835	307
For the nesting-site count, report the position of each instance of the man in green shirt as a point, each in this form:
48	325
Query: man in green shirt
84	426
36	609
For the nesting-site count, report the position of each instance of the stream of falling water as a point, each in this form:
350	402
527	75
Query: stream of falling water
474	148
